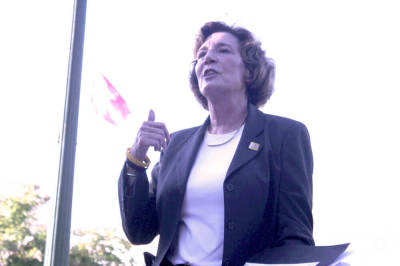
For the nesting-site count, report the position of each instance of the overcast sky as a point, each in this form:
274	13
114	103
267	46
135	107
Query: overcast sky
337	71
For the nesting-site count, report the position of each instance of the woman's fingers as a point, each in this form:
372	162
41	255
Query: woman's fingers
157	125
150	123
151	133
147	142
146	139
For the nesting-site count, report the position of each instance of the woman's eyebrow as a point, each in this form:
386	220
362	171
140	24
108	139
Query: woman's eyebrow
222	44
218	45
202	48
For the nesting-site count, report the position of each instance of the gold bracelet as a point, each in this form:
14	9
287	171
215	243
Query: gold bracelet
132	159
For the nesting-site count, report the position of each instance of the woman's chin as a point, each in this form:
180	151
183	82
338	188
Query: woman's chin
211	88
210	91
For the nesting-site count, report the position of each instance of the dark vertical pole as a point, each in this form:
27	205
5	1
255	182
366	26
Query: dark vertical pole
57	246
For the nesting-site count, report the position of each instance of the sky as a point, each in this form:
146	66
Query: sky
337	71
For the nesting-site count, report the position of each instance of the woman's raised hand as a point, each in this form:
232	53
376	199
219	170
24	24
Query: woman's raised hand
151	133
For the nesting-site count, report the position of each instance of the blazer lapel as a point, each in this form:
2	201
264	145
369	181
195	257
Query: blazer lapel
188	154
187	151
251	143
252	140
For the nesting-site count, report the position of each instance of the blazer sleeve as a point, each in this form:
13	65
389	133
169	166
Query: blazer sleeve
137	202
294	210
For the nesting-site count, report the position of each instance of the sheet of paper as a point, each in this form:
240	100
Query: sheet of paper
298	255
292	264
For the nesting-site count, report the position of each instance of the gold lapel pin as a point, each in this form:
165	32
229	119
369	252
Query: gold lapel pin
254	146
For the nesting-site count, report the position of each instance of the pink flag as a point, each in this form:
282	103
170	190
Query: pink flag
107	102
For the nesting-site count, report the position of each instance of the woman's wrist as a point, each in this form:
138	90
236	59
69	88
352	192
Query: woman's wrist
133	170
135	162
137	153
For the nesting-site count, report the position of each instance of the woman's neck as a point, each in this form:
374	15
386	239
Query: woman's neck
227	116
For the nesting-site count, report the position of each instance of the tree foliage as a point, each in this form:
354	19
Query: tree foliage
100	248
22	240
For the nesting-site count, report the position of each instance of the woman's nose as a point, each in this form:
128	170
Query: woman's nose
210	57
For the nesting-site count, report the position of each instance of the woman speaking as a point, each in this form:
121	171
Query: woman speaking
232	188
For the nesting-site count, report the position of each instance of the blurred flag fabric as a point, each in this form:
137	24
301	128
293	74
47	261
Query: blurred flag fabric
107	102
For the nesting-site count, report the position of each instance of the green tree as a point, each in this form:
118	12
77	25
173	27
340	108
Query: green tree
22	240
100	248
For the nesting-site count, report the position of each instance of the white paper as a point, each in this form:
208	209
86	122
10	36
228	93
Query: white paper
291	264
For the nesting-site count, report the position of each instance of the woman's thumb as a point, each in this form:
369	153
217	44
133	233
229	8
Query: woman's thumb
152	116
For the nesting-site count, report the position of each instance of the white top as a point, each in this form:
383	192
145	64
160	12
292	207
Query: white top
201	231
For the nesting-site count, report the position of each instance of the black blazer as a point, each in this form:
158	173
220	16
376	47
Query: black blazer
267	191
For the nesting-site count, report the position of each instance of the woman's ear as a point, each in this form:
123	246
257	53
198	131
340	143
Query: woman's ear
247	75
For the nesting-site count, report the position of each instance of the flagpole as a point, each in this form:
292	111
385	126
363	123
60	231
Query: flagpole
57	244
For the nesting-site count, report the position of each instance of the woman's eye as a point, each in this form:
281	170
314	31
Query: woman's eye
224	50
201	54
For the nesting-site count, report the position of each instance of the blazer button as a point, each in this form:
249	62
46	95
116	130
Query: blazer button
230	187
231	226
